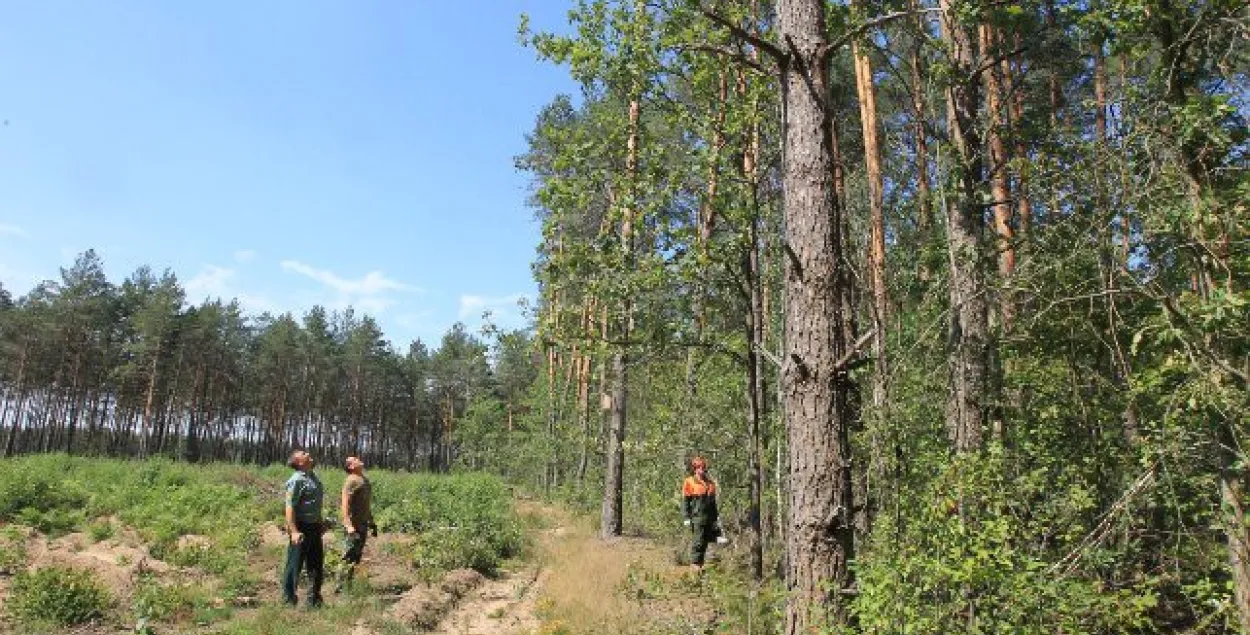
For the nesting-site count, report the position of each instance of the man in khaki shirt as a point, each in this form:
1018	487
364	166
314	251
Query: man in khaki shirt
357	516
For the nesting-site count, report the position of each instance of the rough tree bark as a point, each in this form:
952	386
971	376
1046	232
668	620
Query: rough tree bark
969	330
819	540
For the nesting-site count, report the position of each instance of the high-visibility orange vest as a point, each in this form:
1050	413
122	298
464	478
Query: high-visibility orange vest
692	486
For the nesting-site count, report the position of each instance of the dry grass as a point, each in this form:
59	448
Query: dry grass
595	587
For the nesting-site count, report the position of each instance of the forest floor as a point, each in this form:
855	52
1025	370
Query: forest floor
568	583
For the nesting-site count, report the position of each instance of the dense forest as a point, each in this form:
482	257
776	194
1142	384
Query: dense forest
93	367
951	294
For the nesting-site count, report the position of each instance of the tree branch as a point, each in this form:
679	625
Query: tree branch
777	54
859	343
726	52
830	48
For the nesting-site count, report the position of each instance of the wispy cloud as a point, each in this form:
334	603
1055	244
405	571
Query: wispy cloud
13	230
244	256
216	282
211	281
373	283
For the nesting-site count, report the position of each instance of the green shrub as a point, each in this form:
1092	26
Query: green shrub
53	522
12	549
101	529
463	520
443	549
155	601
58	595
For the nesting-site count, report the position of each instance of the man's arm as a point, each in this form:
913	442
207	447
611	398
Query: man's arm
296	536
345	507
289	514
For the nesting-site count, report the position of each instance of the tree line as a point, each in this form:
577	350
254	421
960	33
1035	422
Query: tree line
132	369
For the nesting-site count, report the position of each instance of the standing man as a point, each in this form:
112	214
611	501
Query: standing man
699	508
304	524
357	516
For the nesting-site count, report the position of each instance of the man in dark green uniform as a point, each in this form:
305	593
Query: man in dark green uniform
304	524
357	516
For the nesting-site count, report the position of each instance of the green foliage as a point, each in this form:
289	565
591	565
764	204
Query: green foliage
57	595
12	549
464	520
153	600
101	529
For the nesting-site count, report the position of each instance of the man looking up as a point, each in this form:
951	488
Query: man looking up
357	516
304	524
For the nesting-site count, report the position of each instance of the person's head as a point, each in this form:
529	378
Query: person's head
354	465
300	460
698	466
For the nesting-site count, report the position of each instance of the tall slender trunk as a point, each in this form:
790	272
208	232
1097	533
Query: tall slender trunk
819	543
706	223
10	442
148	401
919	114
549	472
583	393
755	336
1014	72
969	332
1000	189
611	521
867	93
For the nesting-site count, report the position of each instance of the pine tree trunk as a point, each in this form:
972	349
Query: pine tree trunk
611	522
969	329
876	274
1000	189
613	484
10	442
148	401
756	318
820	537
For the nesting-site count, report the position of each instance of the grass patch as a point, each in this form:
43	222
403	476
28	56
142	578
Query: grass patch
59	596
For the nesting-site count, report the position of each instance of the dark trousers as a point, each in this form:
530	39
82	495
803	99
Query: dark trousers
308	554
353	550
701	533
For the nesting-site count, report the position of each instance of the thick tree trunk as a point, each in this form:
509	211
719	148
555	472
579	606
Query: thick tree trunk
819	541
969	332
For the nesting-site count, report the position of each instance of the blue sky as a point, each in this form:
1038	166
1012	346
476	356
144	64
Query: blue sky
285	152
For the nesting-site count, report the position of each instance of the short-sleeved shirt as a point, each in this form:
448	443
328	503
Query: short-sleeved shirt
359	498
304	494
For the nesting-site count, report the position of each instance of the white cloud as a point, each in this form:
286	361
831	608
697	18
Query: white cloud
244	256
373	283
214	281
13	230
501	307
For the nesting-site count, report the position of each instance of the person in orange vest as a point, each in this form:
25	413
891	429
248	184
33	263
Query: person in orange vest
698	493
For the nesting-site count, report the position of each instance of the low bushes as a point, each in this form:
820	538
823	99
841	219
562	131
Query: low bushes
58	595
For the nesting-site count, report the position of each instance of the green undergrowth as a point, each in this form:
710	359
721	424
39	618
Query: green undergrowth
210	517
